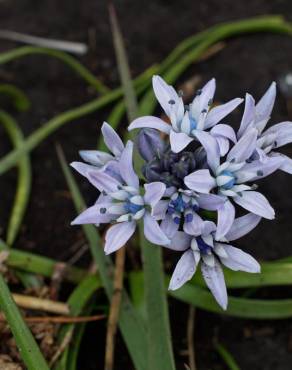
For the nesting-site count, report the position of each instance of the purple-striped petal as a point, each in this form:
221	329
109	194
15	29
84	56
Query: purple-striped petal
200	181
184	270
180	241
211	147
242	226
226	215
258	170
223	144
238	260
154	192
256	203
112	139
244	148
286	166
218	113
150	122
118	235
214	279
95	157
224	130
248	115
126	166
83	168
179	140
153	232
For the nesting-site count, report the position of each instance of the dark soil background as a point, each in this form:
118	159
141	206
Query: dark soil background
151	29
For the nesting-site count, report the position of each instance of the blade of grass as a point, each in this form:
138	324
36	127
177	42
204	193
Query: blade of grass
132	329
19	99
65	58
28	348
160	355
25	261
226	356
24	178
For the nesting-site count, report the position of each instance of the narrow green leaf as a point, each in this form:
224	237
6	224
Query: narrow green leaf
227	357
132	329
19	99
24	178
160	355
28	348
29	262
123	66
64	57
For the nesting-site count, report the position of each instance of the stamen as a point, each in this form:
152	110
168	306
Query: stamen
189	217
176	220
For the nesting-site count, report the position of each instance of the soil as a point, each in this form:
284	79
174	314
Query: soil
151	29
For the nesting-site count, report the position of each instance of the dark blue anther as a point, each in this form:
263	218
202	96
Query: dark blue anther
204	247
195	207
176	220
189	217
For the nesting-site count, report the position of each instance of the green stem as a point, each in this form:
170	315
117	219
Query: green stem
160	355
66	58
28	348
227	357
19	99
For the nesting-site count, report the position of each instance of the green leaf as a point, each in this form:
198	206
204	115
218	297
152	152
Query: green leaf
64	57
24	178
227	357
160	355
28	348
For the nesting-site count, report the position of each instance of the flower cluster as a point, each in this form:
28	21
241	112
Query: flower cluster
195	175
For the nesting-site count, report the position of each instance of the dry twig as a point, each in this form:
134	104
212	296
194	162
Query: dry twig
59	319
190	338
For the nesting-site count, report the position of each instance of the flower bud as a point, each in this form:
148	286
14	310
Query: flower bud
149	144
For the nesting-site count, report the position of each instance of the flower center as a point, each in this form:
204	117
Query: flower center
132	207
230	183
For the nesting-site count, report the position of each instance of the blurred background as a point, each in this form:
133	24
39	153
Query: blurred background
151	30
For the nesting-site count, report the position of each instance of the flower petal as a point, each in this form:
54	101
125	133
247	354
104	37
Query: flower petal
244	148
223	144
216	114
286	166
95	157
214	279
112	139
184	270
211	147
242	226
195	226
210	202
265	105
202	101
153	232
160	209
83	168
103	182
179	140
283	131
118	235
154	192
238	260
258	170
150	122
168	226
200	181
248	115
126	166
224	130
164	93
180	241
256	203
226	215
92	215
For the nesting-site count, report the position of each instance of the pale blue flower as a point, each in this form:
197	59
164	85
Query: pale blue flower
122	203
256	116
212	252
188	122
